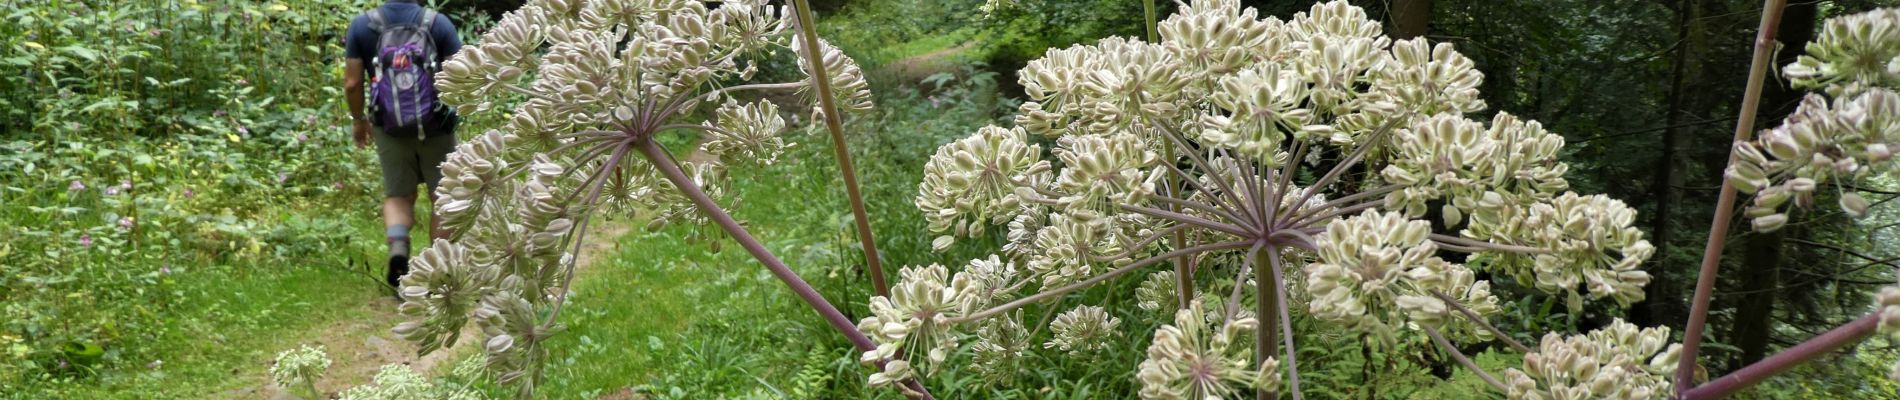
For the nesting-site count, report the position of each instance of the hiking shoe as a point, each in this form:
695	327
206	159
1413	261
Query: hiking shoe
398	266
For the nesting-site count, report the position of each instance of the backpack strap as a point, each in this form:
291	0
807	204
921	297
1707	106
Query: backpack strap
376	19
428	33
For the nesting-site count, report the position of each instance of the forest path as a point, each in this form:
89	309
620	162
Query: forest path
361	346
914	69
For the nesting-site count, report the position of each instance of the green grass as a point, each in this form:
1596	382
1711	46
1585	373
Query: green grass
665	314
229	318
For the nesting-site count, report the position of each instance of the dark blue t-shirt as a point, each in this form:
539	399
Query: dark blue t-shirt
361	41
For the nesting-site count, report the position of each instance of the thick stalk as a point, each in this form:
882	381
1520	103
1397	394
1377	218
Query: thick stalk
1725	202
1266	299
1183	273
1286	319
671	170
834	122
1787	359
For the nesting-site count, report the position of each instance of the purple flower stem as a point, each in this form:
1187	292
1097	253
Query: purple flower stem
667	167
822	89
1752	374
1725	202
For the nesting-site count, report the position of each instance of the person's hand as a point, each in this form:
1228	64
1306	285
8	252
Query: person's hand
359	130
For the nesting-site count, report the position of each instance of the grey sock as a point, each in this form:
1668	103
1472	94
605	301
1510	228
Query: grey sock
398	240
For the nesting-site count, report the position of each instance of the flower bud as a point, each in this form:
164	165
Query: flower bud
1770	223
1855	205
1801	185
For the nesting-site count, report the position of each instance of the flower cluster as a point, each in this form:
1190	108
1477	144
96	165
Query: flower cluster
440	292
1083	329
1237	145
916	318
584	86
400	382
747	132
1619	361
970	183
1378	271
1823	141
1450	157
1843	134
1198	357
1576	245
1855	49
299	366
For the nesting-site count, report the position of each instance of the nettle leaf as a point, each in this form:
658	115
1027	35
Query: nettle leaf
82	52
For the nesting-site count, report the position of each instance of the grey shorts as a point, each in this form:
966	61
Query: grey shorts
408	161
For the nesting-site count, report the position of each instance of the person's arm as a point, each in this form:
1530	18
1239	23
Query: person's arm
353	98
447	40
356	49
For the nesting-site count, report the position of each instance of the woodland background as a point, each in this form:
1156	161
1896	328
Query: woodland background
179	200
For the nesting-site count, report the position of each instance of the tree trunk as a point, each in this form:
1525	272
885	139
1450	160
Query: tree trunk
1755	310
1761	269
1411	18
1663	297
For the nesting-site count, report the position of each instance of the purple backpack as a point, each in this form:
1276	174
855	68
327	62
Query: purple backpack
403	94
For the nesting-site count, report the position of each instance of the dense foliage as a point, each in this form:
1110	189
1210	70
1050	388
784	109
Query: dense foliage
129	164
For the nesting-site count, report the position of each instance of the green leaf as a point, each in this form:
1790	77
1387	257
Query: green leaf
82	52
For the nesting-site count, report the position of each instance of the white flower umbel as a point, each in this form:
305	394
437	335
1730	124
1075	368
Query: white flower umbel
971	183
1377	271
584	87
1619	361
1859	49
1240	146
917	318
1083	329
1198	358
1841	135
400	382
300	368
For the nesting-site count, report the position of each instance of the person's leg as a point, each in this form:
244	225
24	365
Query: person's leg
400	177
431	154
398	216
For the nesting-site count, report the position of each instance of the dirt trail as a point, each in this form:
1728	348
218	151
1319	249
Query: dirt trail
915	68
359	347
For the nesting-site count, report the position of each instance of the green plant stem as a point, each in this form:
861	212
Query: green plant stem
1046	294
1183	273
309	385
1439	339
1285	320
1148	6
833	122
1725	202
1479	319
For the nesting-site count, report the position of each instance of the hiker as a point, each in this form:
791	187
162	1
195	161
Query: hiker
399	47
